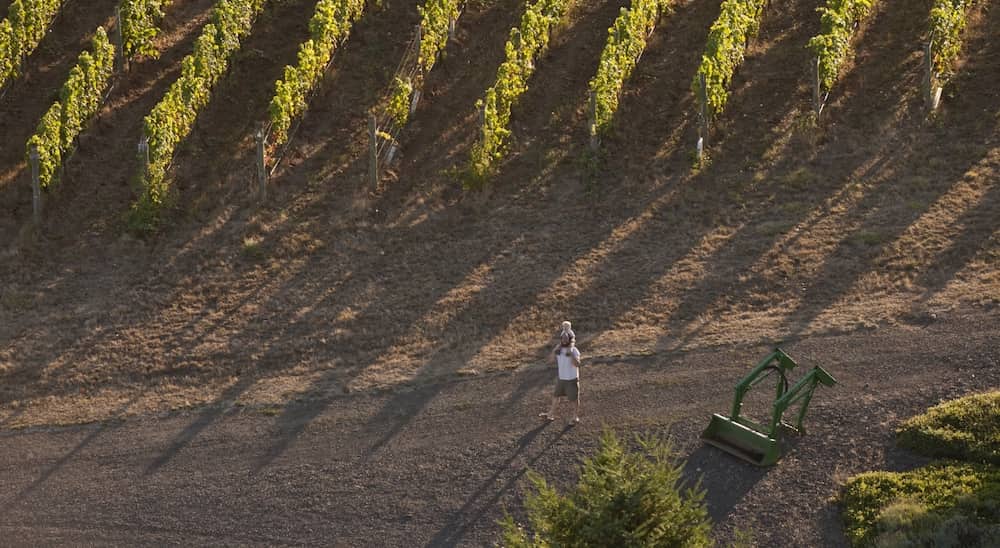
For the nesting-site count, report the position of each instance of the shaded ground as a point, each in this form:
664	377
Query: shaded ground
347	477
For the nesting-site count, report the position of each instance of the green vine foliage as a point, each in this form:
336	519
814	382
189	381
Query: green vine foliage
330	24
626	42
399	101
526	42
80	98
737	24
20	33
172	119
833	44
435	16
140	21
947	22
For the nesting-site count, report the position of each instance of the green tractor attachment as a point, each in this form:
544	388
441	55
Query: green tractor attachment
753	442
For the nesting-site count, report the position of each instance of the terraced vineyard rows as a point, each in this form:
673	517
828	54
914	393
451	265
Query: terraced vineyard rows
170	121
26	24
173	118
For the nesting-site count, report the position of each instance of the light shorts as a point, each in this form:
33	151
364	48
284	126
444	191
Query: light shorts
570	389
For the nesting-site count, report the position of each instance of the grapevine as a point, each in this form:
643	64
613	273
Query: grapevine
526	42
738	22
328	27
80	98
833	44
626	42
172	119
947	21
20	33
140	26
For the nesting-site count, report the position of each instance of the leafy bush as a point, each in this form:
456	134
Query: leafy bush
941	501
947	21
526	42
26	24
329	26
80	98
833	44
623	498
738	22
172	119
140	20
626	42
967	428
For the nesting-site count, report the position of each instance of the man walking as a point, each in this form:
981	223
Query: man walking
567	358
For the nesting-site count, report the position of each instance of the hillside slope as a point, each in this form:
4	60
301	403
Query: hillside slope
877	217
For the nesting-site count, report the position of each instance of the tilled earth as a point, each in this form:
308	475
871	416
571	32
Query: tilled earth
439	464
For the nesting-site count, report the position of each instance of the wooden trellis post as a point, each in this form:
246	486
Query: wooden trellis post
121	61
36	186
373	150
143	154
261	139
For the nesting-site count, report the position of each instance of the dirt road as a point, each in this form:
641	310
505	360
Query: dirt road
436	465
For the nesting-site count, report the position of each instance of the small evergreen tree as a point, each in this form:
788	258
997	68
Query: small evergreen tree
623	498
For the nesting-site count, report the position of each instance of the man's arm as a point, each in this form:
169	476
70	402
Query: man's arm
576	357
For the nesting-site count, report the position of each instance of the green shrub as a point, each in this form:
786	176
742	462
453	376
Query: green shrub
967	428
623	498
399	101
937	501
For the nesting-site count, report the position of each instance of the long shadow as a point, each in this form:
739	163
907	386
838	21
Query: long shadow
468	515
858	252
665	238
117	124
86	441
206	417
820	181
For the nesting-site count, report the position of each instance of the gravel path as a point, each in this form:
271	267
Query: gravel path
436	465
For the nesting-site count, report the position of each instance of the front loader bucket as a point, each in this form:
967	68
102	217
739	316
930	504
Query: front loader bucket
741	441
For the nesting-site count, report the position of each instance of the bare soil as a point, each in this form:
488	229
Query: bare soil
341	308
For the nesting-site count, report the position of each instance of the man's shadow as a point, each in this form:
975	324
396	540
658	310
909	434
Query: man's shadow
473	511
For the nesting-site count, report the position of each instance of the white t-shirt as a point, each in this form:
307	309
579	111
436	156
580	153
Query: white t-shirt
567	371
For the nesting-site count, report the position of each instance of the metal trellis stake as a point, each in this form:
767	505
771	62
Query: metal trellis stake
592	124
702	115
931	91
817	93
